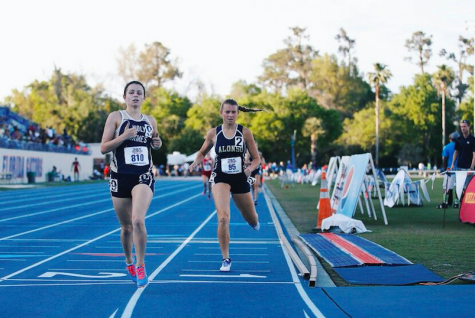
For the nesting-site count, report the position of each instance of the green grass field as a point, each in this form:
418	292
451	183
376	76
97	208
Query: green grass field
415	233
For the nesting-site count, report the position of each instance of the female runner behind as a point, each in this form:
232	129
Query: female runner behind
229	174
130	135
207	167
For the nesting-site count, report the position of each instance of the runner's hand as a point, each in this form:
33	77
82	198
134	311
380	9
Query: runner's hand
156	141
247	172
129	133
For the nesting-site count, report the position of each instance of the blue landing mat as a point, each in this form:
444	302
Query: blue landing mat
388	275
327	250
387	256
457	301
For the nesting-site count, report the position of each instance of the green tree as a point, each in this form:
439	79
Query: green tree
313	128
465	49
443	79
65	101
204	114
419	116
153	66
378	78
346	47
169	110
334	89
290	66
421	44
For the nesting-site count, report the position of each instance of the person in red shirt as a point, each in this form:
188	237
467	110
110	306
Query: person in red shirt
76	166
206	168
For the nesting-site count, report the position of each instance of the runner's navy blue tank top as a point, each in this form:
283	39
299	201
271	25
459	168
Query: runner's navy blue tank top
230	152
133	156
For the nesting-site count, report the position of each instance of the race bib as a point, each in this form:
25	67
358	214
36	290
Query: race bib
231	165
137	156
207	166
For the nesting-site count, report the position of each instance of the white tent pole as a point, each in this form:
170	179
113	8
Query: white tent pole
360	204
379	192
371	204
365	198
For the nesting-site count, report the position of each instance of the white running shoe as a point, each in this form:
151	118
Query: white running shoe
226	266
256	227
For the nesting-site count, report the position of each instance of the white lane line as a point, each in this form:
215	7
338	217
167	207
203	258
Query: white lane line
48	240
67	207
235	248
135	297
17	207
55	224
93	260
120	247
22	252
113	314
218	254
295	278
91	241
234	270
241	262
53	190
29	246
206	242
224	276
154	282
84	269
76	219
31	198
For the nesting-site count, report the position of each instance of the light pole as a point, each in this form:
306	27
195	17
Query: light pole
292	144
471	25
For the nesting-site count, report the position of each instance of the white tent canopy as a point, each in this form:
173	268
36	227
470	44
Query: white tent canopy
176	158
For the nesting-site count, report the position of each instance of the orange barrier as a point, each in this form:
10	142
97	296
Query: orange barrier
325	209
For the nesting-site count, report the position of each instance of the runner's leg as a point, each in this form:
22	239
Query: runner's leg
141	197
221	201
123	210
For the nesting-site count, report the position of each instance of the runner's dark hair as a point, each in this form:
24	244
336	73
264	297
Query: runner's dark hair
243	109
134	82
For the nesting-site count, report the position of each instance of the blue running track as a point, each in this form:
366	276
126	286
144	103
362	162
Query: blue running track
60	256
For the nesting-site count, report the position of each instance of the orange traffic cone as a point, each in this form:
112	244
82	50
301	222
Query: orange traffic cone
324	209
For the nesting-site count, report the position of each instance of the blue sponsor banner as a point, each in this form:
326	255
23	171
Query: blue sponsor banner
356	172
16	166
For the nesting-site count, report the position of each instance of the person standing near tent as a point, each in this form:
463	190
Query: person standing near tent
76	166
229	175
131	135
449	179
464	153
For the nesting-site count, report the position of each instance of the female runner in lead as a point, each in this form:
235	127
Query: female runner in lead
130	135
230	174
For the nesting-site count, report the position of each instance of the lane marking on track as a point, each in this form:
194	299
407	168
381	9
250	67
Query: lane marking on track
79	218
101	275
295	278
224	276
241	262
91	241
17	207
154	282
234	254
135	297
64	208
207	242
31	198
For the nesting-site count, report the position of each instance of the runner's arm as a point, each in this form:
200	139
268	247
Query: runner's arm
207	145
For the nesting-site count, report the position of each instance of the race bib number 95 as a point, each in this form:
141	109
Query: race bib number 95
231	165
137	156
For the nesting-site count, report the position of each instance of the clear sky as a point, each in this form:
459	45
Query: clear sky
216	41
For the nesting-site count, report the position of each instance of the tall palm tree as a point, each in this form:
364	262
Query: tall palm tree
378	78
443	79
